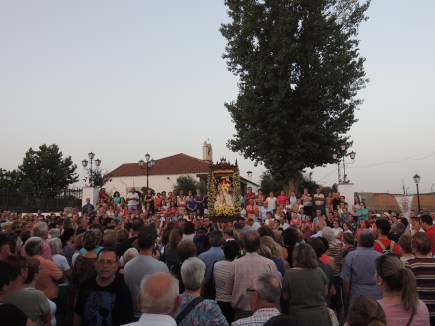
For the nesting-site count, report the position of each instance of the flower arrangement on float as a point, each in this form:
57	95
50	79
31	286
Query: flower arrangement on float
223	185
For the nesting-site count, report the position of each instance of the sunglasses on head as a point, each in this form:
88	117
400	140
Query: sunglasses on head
381	258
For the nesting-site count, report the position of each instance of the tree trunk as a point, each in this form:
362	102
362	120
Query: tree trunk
293	183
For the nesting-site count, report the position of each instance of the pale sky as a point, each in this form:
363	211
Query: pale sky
123	78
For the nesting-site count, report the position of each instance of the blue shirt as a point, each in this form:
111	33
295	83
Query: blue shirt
359	268
209	257
83	250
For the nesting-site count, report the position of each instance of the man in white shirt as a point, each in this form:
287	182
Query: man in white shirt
283	223
132	200
253	225
158	300
319	201
307	200
271	201
263	210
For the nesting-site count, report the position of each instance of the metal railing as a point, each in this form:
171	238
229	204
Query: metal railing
53	200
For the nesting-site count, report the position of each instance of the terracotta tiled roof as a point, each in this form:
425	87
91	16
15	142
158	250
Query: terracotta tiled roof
176	164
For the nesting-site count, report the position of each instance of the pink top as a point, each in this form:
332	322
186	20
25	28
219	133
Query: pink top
398	316
281	199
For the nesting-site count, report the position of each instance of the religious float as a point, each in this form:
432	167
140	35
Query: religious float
223	191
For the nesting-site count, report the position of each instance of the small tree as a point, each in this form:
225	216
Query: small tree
99	178
188	183
144	191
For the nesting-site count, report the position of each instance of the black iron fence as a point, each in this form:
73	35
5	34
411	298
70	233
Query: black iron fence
45	201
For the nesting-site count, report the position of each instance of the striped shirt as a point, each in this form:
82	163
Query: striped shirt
335	252
424	273
220	272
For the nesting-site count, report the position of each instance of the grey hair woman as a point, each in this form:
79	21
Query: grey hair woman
62	264
192	275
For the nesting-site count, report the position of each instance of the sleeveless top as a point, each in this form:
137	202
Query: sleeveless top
279	262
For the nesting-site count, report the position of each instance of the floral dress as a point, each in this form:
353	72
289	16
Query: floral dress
207	313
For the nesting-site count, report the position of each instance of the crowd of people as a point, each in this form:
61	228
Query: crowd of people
159	259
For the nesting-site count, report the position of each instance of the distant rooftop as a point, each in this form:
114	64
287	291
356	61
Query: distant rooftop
175	164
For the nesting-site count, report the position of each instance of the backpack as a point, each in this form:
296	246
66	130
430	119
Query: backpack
385	250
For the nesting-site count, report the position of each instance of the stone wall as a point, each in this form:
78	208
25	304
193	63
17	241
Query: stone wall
381	202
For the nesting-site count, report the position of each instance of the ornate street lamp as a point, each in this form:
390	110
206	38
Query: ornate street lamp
340	157
4	175
149	164
90	170
416	178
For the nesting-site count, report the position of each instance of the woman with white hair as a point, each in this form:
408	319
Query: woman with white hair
202	311
129	254
62	264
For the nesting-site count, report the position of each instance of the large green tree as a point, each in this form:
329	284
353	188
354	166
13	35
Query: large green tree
299	72
46	169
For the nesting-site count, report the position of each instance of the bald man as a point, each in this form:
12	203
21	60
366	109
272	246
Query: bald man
158	300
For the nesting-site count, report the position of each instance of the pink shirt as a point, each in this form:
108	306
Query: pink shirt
281	199
397	315
242	271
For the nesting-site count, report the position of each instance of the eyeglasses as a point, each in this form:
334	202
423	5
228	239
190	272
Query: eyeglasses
106	262
249	290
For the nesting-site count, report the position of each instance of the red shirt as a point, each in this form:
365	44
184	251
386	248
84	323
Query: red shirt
281	199
431	233
248	197
386	242
158	201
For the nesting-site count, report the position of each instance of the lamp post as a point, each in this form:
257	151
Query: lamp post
416	178
340	157
90	170
149	164
4	176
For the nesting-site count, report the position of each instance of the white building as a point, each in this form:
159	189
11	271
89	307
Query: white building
165	172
